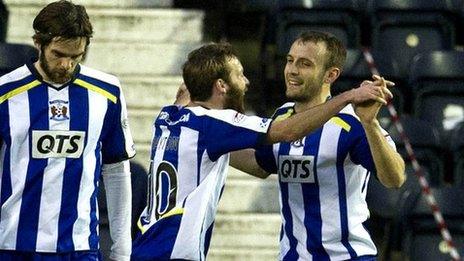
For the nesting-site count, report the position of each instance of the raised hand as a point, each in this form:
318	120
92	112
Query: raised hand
182	96
367	110
372	91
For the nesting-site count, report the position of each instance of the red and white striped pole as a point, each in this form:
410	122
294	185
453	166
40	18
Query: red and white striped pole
417	168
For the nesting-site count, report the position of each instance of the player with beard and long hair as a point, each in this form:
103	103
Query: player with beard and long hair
191	145
64	125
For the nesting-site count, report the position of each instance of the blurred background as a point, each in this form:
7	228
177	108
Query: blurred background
418	44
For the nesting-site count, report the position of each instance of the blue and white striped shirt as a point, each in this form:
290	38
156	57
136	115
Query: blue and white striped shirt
53	144
322	180
190	158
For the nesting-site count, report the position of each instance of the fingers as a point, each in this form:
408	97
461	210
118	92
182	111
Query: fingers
388	83
365	82
380	85
387	92
380	100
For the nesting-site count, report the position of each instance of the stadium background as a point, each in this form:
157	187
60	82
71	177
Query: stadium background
416	43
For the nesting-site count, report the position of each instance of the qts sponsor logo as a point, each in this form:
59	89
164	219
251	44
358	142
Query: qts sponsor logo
57	144
298	169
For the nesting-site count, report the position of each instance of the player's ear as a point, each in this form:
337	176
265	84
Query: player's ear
331	75
221	86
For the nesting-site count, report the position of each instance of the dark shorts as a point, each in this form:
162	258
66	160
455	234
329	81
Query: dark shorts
7	255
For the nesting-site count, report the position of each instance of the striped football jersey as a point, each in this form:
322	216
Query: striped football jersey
53	143
323	182
189	162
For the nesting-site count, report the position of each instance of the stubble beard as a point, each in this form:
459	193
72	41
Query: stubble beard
57	76
235	99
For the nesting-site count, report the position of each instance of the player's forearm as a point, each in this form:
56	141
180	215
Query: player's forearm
245	161
305	122
118	196
388	163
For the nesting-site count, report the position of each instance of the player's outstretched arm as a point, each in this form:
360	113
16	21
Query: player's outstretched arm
303	123
245	161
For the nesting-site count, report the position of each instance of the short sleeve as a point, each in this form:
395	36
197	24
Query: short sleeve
265	158
228	130
117	144
361	152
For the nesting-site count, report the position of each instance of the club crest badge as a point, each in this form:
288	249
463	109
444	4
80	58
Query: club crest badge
299	143
59	110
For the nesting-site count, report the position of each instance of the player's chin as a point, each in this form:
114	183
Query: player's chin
292	93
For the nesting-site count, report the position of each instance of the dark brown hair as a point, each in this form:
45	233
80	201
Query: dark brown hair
61	19
204	66
335	48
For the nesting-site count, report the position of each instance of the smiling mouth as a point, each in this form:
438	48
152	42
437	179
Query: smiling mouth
293	83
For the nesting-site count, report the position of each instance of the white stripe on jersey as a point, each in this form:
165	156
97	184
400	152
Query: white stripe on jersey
232	117
284	242
330	208
295	193
187	150
156	161
19	156
50	200
15	75
81	229
192	233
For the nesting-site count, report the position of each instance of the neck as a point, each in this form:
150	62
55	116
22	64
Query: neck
207	104
42	73
315	100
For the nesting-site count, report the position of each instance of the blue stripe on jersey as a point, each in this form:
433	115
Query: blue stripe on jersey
30	206
292	254
79	109
262	154
364	186
342	151
223	137
112	89
360	152
312	204
150	246
154	142
208	235
200	151
151	173
94	238
10	86
113	138
6	188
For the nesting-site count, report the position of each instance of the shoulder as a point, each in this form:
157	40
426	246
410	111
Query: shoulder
16	75
284	111
227	115
16	82
348	114
99	82
348	121
99	75
232	118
